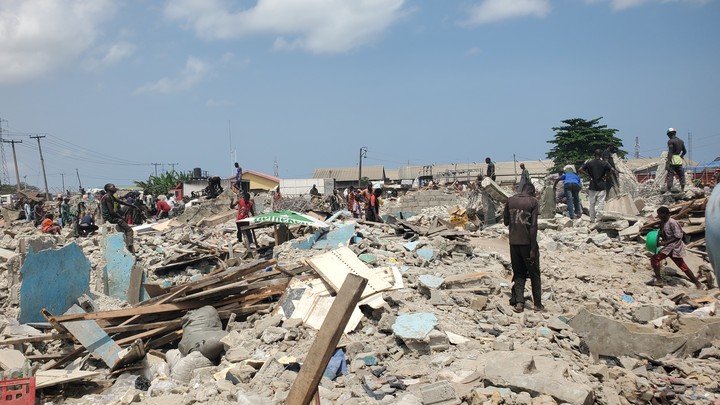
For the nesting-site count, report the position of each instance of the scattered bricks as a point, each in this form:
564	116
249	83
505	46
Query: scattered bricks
439	393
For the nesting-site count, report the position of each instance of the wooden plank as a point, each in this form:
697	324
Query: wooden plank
163	340
122	313
136	276
146	334
305	385
223	289
109	329
159	301
49	378
68	358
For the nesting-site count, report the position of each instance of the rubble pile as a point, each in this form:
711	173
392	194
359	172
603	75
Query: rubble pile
196	317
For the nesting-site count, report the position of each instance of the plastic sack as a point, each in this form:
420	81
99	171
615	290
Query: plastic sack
202	331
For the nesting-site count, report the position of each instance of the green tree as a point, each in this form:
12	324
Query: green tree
162	183
576	141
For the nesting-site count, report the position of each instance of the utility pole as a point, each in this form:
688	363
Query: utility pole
637	147
690	145
363	153
156	165
173	165
515	165
276	169
78	176
17	173
5	179
62	176
42	163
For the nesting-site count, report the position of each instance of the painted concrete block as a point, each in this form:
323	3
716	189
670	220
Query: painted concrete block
336	237
118	269
414	326
52	279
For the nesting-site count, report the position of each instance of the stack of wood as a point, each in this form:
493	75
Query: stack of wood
122	336
691	216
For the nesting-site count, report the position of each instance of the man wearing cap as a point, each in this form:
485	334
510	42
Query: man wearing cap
674	165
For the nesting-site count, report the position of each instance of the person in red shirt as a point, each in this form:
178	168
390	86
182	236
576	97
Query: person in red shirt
245	210
163	208
49	225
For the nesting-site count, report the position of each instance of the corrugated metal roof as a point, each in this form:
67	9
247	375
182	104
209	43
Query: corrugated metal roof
392	174
374	173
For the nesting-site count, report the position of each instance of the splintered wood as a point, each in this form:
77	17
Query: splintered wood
124	335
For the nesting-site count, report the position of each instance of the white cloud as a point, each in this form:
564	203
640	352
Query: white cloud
118	52
38	36
320	26
619	5
472	51
496	10
194	71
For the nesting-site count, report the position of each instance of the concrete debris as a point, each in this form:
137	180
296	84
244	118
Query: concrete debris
433	326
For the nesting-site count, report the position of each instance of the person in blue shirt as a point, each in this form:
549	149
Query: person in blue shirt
572	184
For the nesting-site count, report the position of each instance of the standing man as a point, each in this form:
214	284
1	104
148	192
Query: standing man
674	164
490	168
246	209
108	207
524	178
237	182
520	216
597	169
334	200
672	246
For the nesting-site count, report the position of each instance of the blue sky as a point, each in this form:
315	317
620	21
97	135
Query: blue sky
116	86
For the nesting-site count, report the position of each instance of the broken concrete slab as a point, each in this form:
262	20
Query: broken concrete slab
521	371
11	359
439	393
647	313
622	204
494	190
414	326
608	337
336	238
428	282
52	279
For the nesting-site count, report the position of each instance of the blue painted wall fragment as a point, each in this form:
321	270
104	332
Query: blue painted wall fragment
307	244
336	237
425	253
52	279
414	326
118	267
94	338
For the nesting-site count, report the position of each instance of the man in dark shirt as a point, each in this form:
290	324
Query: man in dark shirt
520	216
674	165
108	207
597	169
490	168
